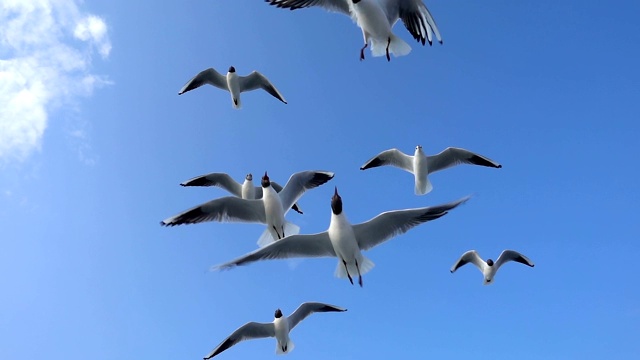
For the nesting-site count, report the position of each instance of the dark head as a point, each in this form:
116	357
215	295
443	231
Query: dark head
265	180
490	262
355	1
232	69
336	203
249	177
278	314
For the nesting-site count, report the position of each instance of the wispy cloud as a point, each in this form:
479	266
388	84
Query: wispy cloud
46	49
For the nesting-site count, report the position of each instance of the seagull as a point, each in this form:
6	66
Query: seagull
269	210
421	165
346	241
246	190
279	328
232	83
376	18
489	268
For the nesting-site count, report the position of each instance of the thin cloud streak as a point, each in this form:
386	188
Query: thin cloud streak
46	50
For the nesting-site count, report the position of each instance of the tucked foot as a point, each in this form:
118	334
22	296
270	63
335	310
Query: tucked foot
388	43
362	51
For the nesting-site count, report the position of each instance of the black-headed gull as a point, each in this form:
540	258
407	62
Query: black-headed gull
246	190
233	83
346	241
489	268
376	18
279	328
269	210
421	165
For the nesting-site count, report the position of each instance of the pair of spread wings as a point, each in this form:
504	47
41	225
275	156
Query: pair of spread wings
414	14
256	330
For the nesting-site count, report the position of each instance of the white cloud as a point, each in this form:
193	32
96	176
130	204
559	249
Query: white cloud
46	49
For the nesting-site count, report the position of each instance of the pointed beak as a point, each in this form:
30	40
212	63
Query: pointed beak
336	192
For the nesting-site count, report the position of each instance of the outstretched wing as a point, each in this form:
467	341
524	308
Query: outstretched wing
452	156
224	209
251	330
294	246
392	223
341	6
209	76
393	157
512	255
220	180
415	16
299	183
256	80
309	308
470	256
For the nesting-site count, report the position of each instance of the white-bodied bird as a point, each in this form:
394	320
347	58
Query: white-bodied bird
346	241
246	190
421	165
269	210
489	268
279	328
233	83
376	18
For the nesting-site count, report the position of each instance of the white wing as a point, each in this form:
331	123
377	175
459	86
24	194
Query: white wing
341	6
225	209
391	223
393	157
294	246
220	180
454	156
251	330
299	183
309	308
209	76
511	255
470	256
277	187
415	16
255	80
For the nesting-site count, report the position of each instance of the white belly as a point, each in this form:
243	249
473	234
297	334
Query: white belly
373	20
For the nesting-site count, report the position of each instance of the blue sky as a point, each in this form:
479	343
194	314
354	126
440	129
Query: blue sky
95	141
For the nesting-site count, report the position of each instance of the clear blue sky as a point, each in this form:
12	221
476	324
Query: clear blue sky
95	141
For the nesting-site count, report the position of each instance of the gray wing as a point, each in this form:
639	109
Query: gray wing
209	76
393	157
392	223
220	180
341	6
294	246
255	80
452	156
251	330
309	308
226	209
415	16
277	187
511	255
470	256
299	183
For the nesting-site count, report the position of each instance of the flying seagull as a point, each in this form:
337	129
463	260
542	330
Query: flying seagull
279	328
246	190
269	210
232	83
376	18
421	165
346	241
489	268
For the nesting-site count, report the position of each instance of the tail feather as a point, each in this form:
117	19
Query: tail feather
267	238
290	347
423	187
397	47
364	264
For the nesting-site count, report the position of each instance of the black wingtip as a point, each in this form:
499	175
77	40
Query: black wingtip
183	184
499	166
441	42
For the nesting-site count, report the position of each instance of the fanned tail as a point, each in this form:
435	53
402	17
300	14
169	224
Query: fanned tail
289	229
397	47
423	187
290	347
